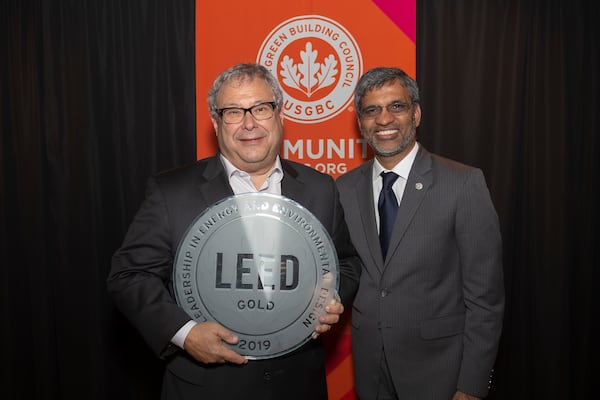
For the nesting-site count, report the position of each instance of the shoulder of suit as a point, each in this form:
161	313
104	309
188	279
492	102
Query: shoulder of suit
189	171
449	164
298	170
351	176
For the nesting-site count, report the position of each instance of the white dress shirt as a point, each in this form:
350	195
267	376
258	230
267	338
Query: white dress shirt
402	169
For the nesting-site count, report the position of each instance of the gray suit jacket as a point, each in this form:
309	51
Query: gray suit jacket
140	280
435	305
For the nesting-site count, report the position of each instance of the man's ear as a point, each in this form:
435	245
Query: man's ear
417	115
215	125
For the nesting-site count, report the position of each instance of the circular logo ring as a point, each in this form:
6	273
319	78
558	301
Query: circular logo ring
262	266
317	62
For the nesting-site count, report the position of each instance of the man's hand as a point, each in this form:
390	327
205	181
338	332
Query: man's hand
334	310
463	396
205	343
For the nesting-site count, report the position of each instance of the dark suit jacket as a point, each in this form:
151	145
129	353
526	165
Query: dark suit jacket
140	281
435	305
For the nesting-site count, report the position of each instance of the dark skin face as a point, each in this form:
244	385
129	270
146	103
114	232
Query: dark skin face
392	136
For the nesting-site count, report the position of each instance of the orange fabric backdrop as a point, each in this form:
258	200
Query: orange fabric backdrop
318	50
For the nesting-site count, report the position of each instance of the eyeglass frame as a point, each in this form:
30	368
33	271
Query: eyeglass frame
220	111
379	109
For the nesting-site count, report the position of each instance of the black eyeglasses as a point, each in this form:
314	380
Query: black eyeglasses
235	115
396	108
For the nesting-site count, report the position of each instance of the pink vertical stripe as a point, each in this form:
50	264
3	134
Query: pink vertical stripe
403	13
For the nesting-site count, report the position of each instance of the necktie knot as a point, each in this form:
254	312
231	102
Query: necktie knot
388	208
388	179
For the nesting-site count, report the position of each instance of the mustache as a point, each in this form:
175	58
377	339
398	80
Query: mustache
407	139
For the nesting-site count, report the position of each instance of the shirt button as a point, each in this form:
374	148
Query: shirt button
383	292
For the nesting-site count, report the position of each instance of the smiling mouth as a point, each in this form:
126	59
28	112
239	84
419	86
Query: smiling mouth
386	133
251	140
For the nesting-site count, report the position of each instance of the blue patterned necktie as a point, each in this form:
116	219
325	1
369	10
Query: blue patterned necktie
388	208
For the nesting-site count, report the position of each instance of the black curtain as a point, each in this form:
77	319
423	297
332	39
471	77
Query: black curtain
98	95
512	87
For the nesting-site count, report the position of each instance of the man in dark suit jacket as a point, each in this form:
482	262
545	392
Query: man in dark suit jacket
245	104
427	317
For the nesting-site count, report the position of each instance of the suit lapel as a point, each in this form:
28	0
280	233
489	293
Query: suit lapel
214	185
290	185
419	182
364	198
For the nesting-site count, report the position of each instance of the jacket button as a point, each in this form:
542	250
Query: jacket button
267	376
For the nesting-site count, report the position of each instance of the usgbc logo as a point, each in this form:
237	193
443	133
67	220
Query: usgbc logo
317	63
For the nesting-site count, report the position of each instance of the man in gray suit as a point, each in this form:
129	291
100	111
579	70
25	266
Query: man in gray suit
427	317
245	103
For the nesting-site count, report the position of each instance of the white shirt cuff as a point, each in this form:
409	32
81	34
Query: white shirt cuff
179	337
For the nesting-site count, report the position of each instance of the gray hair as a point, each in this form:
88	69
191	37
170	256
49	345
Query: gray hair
241	73
380	76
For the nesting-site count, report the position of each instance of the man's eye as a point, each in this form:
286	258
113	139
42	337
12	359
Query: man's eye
260	109
233	112
370	111
397	107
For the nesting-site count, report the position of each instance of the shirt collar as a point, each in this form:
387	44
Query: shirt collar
274	178
402	168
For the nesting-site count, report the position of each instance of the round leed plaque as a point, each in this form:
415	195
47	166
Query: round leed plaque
261	265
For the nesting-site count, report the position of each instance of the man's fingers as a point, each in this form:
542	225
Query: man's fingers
334	310
233	357
227	336
207	341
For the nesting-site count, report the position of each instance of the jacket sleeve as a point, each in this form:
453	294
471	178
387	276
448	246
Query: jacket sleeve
350	263
480	248
140	278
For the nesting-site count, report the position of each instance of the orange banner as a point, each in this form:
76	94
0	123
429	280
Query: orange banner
318	51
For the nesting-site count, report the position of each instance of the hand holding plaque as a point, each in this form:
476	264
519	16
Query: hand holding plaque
262	266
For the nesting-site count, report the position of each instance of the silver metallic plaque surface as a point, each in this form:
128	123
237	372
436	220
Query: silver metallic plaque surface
262	266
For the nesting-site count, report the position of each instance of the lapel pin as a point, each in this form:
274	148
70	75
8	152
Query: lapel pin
418	186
